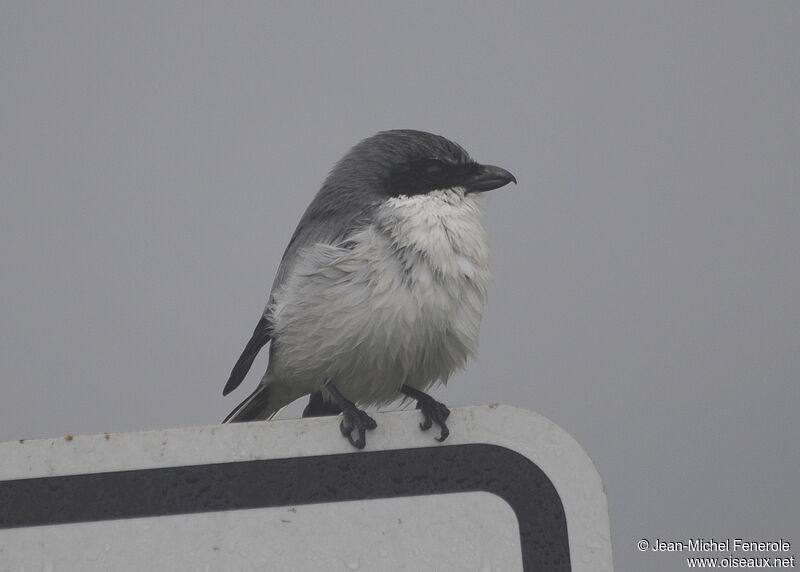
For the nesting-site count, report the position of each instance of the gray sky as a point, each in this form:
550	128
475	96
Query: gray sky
156	156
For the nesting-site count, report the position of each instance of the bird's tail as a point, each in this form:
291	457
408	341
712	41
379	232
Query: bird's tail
254	408
270	396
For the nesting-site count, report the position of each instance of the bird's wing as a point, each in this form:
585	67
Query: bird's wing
320	224
258	340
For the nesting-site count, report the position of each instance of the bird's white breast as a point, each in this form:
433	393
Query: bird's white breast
399	302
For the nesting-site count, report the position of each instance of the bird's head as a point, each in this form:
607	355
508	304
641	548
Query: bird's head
407	162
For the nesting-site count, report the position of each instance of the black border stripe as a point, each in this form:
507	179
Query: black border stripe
304	480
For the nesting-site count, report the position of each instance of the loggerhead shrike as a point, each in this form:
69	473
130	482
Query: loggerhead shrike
381	289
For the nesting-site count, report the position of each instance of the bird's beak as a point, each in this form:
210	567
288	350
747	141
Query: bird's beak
487	178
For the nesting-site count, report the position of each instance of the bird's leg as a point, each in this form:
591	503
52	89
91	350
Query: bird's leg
318	407
354	418
432	410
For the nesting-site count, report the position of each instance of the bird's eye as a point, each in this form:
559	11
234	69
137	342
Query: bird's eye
434	168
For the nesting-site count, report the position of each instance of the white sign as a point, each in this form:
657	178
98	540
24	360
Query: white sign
509	490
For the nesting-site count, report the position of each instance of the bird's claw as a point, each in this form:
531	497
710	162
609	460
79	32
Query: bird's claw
434	412
356	419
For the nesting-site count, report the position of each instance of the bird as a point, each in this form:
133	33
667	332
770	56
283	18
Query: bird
380	291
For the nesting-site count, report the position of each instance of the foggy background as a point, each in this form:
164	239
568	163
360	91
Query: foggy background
156	156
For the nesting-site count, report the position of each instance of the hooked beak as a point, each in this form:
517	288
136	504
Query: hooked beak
488	178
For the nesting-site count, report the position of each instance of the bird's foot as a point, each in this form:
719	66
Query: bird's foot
355	421
433	411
